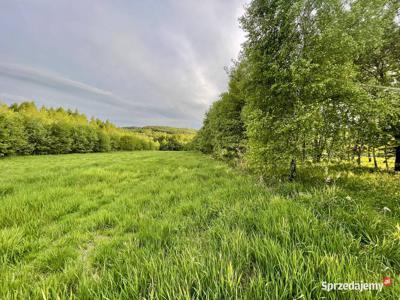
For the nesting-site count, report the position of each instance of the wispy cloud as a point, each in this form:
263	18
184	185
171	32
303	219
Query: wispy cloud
46	78
59	83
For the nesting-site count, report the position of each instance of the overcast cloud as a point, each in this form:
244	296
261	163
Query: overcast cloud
133	62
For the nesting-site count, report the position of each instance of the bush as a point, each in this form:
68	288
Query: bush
60	140
13	139
37	135
103	142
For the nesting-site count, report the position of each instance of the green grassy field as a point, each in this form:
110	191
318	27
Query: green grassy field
171	225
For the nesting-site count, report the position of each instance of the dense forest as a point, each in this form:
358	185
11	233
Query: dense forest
315	81
25	129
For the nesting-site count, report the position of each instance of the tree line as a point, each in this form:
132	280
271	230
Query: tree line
169	138
26	129
315	80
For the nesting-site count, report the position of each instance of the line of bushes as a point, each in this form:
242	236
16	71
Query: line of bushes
25	129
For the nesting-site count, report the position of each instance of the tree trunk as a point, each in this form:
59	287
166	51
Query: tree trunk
353	152
315	151
374	157
292	175
369	154
359	155
386	159
303	156
330	149
348	154
397	161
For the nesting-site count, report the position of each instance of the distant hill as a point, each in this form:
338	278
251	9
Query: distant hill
163	129
169	138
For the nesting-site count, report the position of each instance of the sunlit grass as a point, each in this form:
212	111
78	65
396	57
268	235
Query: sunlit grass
171	225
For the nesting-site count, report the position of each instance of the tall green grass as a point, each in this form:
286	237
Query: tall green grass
178	225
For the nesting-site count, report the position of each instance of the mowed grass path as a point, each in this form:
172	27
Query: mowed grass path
174	225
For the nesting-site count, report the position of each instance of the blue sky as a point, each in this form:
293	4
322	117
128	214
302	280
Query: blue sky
132	62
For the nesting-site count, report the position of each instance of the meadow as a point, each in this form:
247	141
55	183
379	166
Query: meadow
180	225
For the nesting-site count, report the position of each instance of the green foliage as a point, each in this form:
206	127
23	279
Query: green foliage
103	142
130	142
13	139
178	225
316	80
169	143
61	138
24	129
84	138
223	131
168	138
37	135
164	129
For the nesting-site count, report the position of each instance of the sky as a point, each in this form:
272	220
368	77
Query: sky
133	62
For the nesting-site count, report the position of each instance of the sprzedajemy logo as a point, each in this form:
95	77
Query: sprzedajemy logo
356	286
